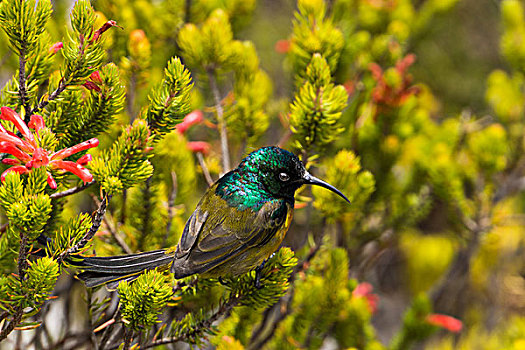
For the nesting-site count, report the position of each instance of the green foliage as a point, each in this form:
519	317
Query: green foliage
247	118
323	302
142	301
126	163
313	33
169	102
434	194
69	234
34	290
514	33
274	278
414	327
343	172
317	107
25	204
98	110
505	95
83	53
210	45
24	22
489	148
427	258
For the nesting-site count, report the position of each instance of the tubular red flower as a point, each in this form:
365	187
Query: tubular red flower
364	290
56	47
13	140
10	161
75	149
39	159
444	321
102	29
74	168
8	147
92	86
86	158
51	181
26	152
192	118
282	46
36	122
17	169
12	116
199	146
95	77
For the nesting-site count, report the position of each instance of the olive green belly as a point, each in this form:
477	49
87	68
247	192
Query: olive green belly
252	257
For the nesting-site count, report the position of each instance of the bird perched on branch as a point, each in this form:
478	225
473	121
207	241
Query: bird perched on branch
239	222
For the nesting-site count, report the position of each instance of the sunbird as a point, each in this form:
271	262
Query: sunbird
240	221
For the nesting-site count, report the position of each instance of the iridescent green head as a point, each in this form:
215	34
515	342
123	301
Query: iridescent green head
269	172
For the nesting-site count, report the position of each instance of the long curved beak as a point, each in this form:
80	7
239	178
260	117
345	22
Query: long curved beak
312	180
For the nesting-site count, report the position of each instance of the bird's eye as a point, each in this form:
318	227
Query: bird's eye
284	177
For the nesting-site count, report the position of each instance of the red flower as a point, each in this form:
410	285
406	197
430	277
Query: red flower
95	77
444	321
192	118
56	47
364	290
104	28
386	95
282	46
30	155
199	147
94	81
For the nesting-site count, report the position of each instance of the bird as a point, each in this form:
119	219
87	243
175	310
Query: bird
238	224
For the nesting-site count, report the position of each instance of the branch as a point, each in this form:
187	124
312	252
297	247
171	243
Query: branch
113	231
187	11
72	190
146	219
282	307
22	266
128	337
22	89
17	317
97	221
171	204
220	118
206	324
204	168
61	87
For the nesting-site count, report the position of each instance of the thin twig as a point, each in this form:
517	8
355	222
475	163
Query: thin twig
220	118
3	229
89	300
71	191
128	337
204	168
80	337
97	221
22	266
107	332
61	87
171	204
22	88
113	231
223	310
187	11
283	306
146	219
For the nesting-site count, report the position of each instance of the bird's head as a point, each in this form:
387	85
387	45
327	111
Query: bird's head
281	172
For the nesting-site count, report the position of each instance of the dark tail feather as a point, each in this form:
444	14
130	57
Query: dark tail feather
113	269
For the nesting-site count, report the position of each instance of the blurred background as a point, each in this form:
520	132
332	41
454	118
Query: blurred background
429	148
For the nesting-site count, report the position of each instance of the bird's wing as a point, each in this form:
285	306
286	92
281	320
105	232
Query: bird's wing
216	232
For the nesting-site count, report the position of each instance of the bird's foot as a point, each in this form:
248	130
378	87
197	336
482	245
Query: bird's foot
258	270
